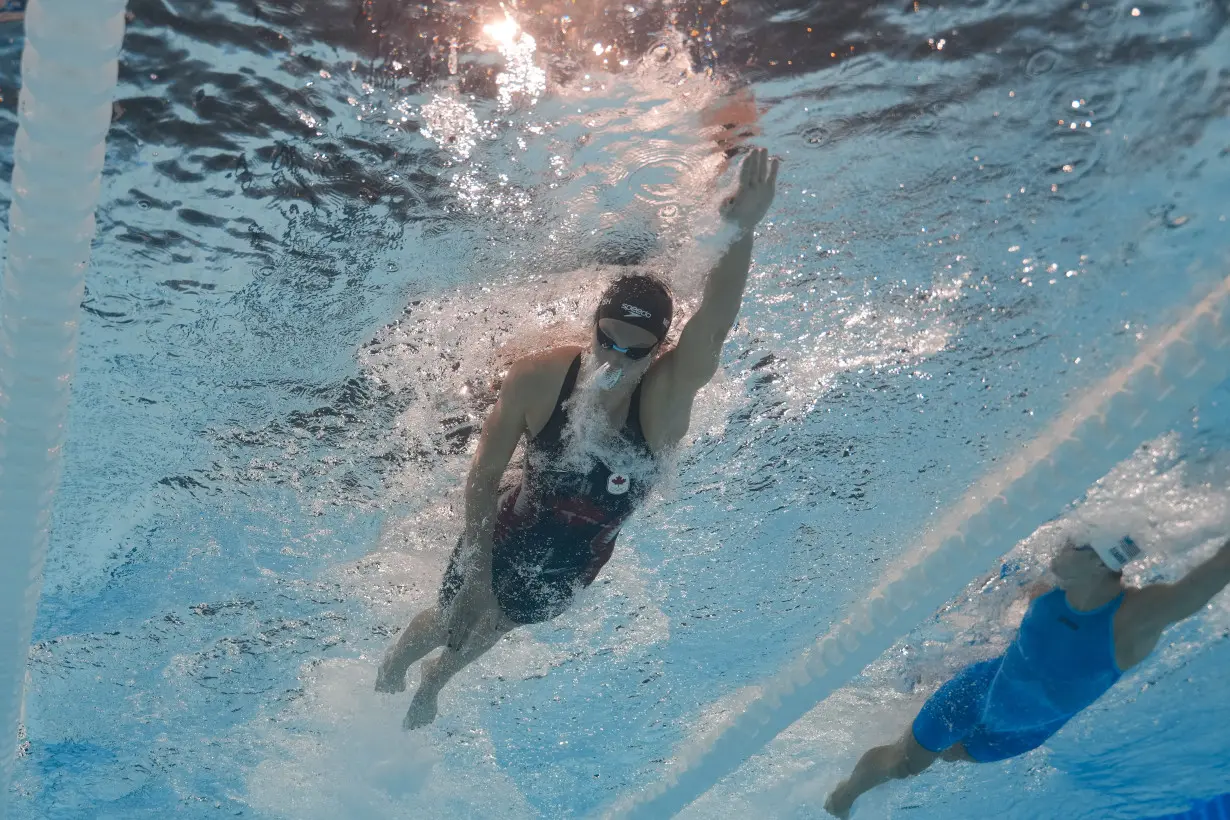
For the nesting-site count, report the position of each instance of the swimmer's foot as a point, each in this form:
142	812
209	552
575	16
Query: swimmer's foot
840	801
391	676
422	710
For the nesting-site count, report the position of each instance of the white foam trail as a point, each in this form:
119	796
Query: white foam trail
340	751
69	70
1136	402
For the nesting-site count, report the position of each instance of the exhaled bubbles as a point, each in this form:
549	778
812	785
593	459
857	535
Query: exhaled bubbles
589	437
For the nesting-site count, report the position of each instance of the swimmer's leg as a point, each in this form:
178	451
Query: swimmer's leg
947	718
902	759
425	633
438	671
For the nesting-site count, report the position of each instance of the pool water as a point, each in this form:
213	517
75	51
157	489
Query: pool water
325	226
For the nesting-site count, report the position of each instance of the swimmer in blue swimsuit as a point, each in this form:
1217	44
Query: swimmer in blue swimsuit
596	421
1073	644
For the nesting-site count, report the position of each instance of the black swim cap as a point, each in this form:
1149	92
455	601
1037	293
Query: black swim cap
638	300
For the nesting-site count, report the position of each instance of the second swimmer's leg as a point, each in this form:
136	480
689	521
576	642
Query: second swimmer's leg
945	720
905	758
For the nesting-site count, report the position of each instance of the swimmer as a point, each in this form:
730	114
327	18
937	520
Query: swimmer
1075	641
523	555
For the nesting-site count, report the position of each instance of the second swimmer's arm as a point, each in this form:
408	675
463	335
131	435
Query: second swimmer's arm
1166	604
1147	612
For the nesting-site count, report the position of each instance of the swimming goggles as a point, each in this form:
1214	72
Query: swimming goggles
633	353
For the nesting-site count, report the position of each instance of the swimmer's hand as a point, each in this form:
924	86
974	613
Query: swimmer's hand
840	802
757	184
475	613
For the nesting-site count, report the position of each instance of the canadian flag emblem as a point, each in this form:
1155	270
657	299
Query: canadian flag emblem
617	484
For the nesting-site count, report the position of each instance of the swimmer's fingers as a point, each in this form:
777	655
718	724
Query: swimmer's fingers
773	166
755	164
747	169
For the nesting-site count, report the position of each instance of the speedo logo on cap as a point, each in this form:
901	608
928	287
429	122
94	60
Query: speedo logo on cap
1125	551
634	312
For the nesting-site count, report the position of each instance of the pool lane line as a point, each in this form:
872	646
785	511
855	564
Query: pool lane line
69	68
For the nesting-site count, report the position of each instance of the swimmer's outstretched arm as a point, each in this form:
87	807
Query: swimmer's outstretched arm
700	344
683	371
1149	611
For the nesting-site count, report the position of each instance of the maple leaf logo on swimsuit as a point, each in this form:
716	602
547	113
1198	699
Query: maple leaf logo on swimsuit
618	484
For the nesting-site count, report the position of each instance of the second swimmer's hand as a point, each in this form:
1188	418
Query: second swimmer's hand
475	613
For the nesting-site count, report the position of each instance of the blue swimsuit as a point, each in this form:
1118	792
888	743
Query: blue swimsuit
1060	663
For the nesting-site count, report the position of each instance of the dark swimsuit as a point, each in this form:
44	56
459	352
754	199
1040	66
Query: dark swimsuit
556	530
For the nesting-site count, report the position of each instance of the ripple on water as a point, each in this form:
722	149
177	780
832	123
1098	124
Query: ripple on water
1064	159
658	174
245	664
862	64
932	118
1092	95
1102	14
1042	62
827	133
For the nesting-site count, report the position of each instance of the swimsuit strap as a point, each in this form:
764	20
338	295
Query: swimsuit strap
554	428
633	424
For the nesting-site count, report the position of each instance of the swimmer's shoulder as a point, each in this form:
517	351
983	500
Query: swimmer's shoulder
538	378
1135	633
544	366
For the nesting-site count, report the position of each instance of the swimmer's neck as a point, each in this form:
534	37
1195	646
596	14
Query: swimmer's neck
1096	596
